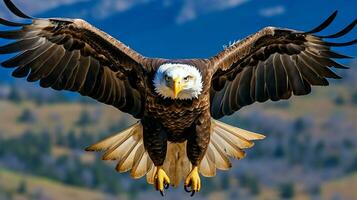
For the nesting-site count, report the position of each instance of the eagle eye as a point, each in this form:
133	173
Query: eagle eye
167	78
187	78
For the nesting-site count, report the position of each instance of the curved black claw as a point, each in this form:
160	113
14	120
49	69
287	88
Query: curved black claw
162	193
166	186
186	189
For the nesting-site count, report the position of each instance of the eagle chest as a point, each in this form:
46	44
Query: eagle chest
174	115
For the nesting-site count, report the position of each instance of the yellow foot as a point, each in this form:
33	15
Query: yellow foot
193	180
162	181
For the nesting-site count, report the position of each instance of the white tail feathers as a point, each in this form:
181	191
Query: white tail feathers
226	141
176	165
128	148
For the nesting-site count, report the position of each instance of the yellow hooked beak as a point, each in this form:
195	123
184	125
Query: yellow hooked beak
177	87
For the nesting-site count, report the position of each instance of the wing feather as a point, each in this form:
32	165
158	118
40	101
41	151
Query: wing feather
244	88
57	70
281	78
260	87
273	64
51	63
71	54
270	78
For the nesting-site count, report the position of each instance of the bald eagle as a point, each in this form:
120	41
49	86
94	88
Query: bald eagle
177	102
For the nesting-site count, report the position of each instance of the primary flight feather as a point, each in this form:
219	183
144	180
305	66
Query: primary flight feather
178	101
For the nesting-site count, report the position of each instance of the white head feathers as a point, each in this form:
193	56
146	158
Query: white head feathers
170	76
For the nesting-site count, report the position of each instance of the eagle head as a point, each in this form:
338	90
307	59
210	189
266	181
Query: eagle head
178	81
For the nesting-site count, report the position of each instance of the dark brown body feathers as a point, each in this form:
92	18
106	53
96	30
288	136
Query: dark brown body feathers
180	120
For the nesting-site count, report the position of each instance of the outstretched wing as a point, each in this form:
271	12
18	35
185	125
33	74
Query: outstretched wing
70	54
273	64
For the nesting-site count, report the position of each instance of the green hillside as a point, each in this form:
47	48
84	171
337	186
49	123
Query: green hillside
22	186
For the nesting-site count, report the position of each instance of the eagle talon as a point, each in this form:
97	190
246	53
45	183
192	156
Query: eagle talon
166	186
162	181
193	181
186	189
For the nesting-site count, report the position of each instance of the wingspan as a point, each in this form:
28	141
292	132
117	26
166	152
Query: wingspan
70	54
273	64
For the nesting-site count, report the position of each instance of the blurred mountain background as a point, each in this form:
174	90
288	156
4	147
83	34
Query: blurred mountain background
311	146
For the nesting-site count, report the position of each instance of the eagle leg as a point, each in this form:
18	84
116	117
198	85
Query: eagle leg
193	180
197	144
162	181
155	143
